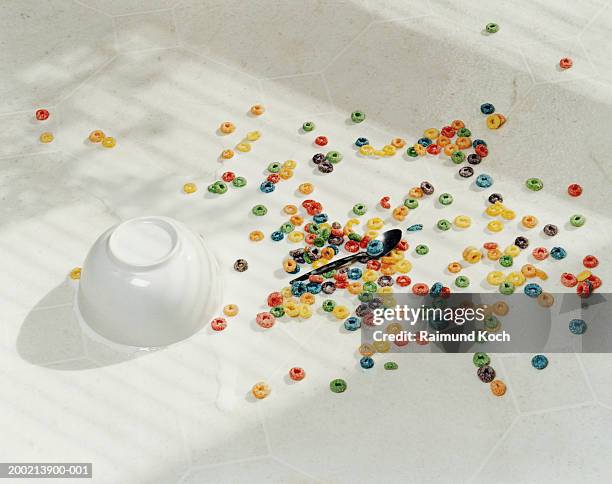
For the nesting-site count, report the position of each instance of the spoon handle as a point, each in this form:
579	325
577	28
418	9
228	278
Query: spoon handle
337	264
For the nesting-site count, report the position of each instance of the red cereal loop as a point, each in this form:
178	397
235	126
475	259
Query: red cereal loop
595	281
297	374
566	63
42	114
574	190
374	264
342	284
490	245
540	253
482	151
448	131
403	281
218	324
275	299
403	245
310	238
228	176
445	292
368	319
363	243
421	341
400	343
420	289
316	279
590	261
321	140
273	178
265	320
384	202
341	276
434	149
584	288
351	246
568	280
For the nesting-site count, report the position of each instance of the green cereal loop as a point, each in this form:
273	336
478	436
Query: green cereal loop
443	224
220	187
239	182
328	305
462	281
259	210
506	288
338	385
308	126
359	209
422	249
334	157
287	227
481	359
534	184
445	198
358	116
577	220
411	203
274	167
458	157
277	311
391	365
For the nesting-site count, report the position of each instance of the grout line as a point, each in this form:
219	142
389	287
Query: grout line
87	79
148	49
558	409
400	19
194	51
527	66
291	466
586	377
346	47
288	76
520	101
101	12
176	27
493	450
511	387
603	7
327	90
27	111
262	421
230	462
33	153
144	12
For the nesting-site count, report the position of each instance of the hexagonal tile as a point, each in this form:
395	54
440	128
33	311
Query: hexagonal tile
162	106
277	38
521	21
297	97
20	133
46	230
41	67
397	9
561	383
595	39
416	404
565	446
405	78
267	469
145	31
597	368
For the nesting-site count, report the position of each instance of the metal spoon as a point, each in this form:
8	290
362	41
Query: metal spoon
390	239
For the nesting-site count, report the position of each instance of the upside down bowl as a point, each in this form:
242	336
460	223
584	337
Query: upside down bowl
148	282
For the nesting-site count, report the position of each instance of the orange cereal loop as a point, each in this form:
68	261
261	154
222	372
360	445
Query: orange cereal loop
355	287
443	141
290	209
227	154
289	265
296	220
398	142
415	192
256	236
457	124
498	388
454	267
529	221
96	136
327	253
463	143
450	149
399	213
227	127
500	308
529	270
546	300
366	349
306	188
285	173
307	298
419	149
257	109
260	390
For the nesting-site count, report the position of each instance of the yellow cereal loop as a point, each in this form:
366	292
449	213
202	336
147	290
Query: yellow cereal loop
366	150
295	236
529	221
286	292
494	209
403	266
541	274
385	290
495	226
584	275
420	150
495	278
494	254
516	278
512	250
243	147
253	135
341	312
431	133
256	236
381	346
290	164
372	234
508	214
375	223
305	311
462	221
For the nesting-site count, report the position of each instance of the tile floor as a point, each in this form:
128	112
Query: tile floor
160	76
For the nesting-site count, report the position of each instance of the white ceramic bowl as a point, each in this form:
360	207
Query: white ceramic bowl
148	282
